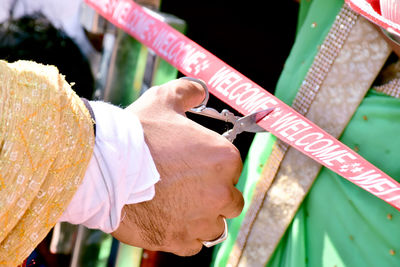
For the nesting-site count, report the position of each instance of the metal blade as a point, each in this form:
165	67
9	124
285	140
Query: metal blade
249	122
224	115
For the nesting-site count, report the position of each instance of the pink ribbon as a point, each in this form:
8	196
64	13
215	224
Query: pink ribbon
245	96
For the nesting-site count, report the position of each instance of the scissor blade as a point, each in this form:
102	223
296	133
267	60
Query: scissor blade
259	115
224	115
249	122
255	128
209	112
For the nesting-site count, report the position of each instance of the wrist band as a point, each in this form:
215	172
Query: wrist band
89	108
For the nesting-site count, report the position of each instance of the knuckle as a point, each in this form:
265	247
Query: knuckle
230	163
234	156
239	206
232	200
190	250
156	92
225	197
230	154
234	203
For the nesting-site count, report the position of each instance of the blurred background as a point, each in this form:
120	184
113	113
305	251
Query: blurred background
104	63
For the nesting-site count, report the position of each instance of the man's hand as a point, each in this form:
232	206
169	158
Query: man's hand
198	169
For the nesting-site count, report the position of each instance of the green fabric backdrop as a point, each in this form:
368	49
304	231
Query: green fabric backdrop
338	224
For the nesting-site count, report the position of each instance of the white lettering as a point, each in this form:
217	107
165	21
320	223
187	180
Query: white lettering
143	28
254	102
121	12
252	91
176	51
339	158
284	121
309	147
264	104
166	45
294	127
192	58
132	19
326	152
381	185
228	81
136	22
159	40
219	76
106	6
223	80
393	198
299	142
291	137
368	176
233	96
388	191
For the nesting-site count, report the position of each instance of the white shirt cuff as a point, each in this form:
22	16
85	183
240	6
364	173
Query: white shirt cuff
121	171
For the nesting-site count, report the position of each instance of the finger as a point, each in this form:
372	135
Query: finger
205	88
234	204
213	230
184	94
234	161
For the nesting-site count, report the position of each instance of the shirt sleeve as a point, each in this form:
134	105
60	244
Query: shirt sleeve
121	171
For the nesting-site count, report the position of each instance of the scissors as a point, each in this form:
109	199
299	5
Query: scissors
240	124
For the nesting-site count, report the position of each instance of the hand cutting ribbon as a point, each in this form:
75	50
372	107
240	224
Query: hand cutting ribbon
245	96
198	171
240	124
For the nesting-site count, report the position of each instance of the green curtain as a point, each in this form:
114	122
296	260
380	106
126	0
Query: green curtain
338	224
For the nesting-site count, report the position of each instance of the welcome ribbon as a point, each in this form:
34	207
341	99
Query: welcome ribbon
246	97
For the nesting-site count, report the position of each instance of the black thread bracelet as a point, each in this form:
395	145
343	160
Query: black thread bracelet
89	108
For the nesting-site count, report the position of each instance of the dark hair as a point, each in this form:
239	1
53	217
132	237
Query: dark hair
33	37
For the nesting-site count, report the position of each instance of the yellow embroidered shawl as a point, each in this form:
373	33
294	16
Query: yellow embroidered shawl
46	142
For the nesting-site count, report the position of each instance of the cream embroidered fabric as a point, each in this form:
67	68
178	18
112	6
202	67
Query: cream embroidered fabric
392	88
46	142
345	84
309	89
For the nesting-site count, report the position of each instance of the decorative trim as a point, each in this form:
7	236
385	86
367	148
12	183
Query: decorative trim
391	88
323	61
304	98
332	108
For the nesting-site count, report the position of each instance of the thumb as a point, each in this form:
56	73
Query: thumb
186	93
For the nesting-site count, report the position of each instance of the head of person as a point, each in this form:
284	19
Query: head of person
33	37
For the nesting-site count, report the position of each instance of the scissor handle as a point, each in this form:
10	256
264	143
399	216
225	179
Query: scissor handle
230	135
205	100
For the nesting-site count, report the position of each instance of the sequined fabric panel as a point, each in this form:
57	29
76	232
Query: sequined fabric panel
46	139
